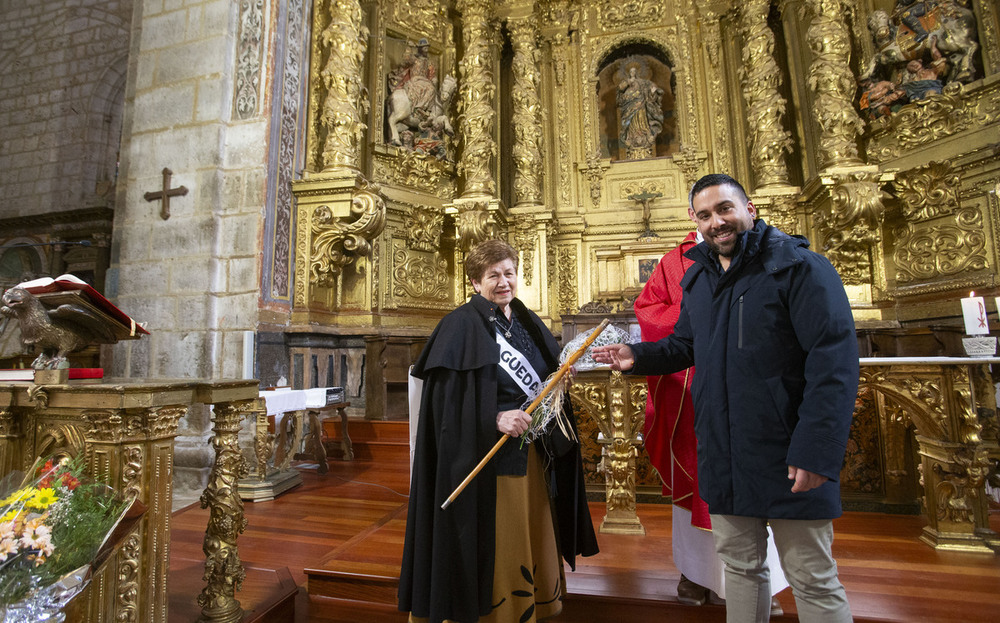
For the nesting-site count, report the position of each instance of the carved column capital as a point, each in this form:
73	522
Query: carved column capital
850	225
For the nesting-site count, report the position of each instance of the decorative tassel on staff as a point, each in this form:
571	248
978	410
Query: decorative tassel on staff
553	382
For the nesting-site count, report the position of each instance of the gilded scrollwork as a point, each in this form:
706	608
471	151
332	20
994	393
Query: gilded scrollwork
334	243
475	224
477	94
566	261
851	226
163	421
421	13
527	113
419	276
423	225
9	424
131	478
345	104
927	392
636	187
935	118
690	161
104	425
126	599
833	84
925	252
616	14
525	236
596	167
61	439
929	191
770	141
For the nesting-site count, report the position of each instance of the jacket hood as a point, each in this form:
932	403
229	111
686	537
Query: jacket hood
781	252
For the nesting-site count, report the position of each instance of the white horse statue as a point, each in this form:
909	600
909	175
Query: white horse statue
402	114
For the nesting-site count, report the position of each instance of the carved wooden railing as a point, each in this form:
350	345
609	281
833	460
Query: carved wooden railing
126	432
949	402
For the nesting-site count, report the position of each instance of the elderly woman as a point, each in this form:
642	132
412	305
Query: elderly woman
494	553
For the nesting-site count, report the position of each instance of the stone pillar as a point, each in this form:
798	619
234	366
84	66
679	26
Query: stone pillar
770	142
476	105
527	117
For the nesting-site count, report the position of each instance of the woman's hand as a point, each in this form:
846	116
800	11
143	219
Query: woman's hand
618	355
513	422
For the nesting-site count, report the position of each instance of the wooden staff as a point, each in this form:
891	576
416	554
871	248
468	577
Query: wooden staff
560	373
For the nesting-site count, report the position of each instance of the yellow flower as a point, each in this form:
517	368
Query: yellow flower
42	499
11	515
18	496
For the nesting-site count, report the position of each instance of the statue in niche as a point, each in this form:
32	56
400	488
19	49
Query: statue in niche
935	39
416	106
639	108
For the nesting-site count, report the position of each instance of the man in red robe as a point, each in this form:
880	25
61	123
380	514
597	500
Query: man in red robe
671	444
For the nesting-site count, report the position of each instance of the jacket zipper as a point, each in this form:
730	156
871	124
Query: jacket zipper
739	335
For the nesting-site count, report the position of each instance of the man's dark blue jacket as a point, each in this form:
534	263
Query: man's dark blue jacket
774	343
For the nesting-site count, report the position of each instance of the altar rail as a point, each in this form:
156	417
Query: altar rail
948	403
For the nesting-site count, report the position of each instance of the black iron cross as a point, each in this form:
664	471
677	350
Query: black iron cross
166	194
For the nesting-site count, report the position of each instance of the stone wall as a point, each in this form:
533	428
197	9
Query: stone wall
193	104
63	65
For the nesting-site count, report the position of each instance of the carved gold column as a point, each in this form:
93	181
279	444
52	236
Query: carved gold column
224	573
711	33
344	41
769	141
477	94
618	405
339	211
527	115
833	84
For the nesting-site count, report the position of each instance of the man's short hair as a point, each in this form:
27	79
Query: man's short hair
715	179
486	254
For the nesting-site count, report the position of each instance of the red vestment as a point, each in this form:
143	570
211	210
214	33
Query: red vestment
669	427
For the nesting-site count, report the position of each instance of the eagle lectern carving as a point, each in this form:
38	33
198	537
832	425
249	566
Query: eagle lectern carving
64	315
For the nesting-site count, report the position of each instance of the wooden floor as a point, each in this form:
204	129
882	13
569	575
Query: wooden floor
354	516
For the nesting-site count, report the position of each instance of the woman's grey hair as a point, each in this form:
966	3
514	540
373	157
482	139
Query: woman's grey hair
486	254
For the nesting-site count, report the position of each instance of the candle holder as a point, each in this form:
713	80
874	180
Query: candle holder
980	346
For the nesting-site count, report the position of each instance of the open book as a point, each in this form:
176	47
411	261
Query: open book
70	289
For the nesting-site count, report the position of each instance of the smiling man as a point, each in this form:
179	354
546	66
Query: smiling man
768	325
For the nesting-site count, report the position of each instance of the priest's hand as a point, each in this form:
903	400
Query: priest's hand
804	480
618	355
513	422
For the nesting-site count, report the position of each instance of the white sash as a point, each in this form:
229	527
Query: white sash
516	366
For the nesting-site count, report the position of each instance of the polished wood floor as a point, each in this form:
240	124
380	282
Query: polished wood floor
354	515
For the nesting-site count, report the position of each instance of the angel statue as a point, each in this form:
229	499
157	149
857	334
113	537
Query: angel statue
640	109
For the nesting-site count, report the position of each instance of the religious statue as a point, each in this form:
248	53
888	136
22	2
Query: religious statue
880	98
640	109
415	105
934	38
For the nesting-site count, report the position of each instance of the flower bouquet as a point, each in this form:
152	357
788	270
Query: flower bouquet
56	529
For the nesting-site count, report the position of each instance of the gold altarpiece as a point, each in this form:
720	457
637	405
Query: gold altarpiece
904	204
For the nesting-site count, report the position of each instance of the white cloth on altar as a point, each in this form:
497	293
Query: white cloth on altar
696	558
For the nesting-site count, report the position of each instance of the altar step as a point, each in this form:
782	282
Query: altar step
373	440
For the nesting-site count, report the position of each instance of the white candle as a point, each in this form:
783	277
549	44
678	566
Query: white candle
974	313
